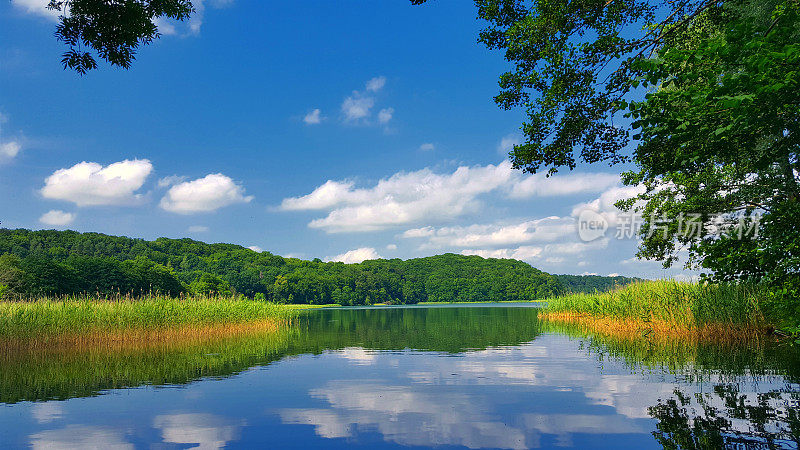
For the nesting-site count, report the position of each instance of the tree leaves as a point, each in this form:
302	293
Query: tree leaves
114	30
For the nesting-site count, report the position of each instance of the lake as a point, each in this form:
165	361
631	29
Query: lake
475	376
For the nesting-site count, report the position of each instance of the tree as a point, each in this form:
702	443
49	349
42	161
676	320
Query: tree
716	135
113	29
573	67
719	146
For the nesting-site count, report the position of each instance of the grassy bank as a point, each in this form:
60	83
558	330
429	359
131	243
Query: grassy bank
77	315
666	308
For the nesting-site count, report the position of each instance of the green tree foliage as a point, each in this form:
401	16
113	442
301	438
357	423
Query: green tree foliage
573	64
113	29
719	149
705	93
60	262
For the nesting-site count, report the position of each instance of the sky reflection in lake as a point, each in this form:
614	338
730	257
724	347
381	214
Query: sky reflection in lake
548	390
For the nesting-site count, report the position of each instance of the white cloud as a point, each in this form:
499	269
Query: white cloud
391	247
604	204
357	107
523	253
356	256
426	147
385	115
170	180
376	84
91	184
540	230
205	194
57	218
507	143
37	7
256	248
313	118
165	27
198	229
540	185
423	195
550	253
403	198
9	150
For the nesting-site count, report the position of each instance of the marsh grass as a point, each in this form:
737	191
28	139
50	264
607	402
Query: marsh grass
84	314
666	307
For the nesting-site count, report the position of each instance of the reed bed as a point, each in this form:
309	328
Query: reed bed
84	314
666	307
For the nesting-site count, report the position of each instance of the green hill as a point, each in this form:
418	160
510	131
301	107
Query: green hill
48	262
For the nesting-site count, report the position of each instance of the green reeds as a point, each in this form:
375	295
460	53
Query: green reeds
53	316
682	304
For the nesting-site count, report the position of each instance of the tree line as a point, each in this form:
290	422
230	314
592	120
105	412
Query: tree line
53	263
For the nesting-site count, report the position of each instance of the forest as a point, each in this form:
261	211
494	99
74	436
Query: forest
56	263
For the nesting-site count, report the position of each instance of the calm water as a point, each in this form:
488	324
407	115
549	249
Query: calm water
476	377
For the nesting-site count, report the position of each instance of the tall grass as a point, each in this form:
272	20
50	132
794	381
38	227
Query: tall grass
680	304
53	316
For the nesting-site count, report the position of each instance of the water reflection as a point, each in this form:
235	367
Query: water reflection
208	431
471	377
80	437
728	418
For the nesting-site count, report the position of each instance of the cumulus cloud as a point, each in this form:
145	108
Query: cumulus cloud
205	194
550	253
385	115
604	204
198	229
391	247
356	256
313	118
403	198
256	248
376	84
424	195
540	185
523	253
426	147
357	107
543	230
91	184
57	218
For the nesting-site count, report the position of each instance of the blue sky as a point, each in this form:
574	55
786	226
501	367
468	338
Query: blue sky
338	130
